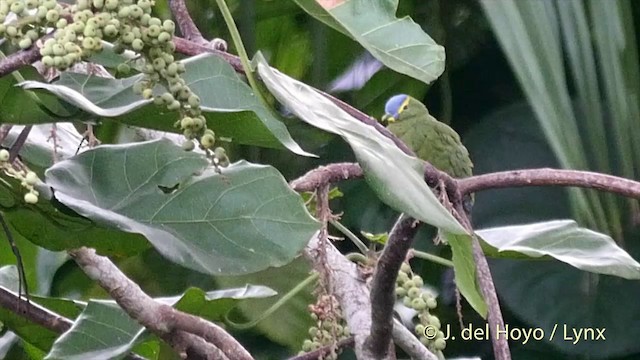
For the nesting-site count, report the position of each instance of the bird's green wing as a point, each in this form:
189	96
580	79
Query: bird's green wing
434	142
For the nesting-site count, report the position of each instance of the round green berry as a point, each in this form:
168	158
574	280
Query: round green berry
175	105
207	141
194	100
11	31
431	303
98	4
414	293
400	291
33	35
47	61
167	98
83	4
110	30
153	30
147	93
123	68
418	304
50	4
25	43
188	145
417	280
159	64
187	122
17	7
4	155
52	16
30	198
111	4
89	43
434	321
31	178
58	50
31	4
137	44
440	344
169	26
408	284
164	37
135	12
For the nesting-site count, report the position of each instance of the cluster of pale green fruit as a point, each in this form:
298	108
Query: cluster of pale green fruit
28	179
330	326
72	33
409	290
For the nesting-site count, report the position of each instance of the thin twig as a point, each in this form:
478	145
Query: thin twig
4	132
17	145
22	277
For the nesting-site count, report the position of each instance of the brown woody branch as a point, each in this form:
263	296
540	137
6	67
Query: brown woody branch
39	315
185	23
550	177
179	329
383	286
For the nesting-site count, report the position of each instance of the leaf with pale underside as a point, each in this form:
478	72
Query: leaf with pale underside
231	108
399	43
563	240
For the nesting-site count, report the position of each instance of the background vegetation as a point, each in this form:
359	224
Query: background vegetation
528	84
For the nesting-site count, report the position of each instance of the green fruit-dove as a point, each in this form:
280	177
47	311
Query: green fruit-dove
430	139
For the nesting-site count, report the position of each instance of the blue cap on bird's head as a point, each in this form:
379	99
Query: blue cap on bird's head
393	106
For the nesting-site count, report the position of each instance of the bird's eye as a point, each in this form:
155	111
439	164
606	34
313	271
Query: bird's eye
405	107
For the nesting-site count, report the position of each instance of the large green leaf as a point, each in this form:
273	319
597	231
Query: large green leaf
214	305
119	334
566	241
241	220
102	331
231	108
399	43
464	269
294	312
21	324
65	229
396	177
23	107
543	293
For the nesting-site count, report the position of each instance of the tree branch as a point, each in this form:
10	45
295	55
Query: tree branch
383	285
19	59
39	315
408	342
185	23
33	312
325	175
347	285
161	319
550	177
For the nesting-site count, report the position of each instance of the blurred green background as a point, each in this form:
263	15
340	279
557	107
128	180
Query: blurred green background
528	84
